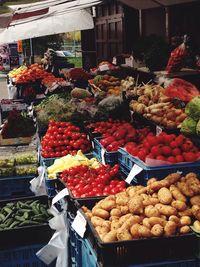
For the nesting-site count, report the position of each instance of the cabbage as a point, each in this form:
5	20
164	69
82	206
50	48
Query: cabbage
198	128
192	109
188	126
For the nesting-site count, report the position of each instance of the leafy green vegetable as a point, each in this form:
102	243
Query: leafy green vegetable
193	108
188	126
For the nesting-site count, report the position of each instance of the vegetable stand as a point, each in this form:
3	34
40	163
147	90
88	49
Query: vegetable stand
135	197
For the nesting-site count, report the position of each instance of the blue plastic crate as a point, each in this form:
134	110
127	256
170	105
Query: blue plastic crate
127	161
23	256
15	187
109	157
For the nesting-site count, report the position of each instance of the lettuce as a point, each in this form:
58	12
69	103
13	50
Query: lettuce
192	109
188	126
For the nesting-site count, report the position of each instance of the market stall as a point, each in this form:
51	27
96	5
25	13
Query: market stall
119	163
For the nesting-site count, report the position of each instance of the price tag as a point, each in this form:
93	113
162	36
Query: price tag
60	195
103	67
158	130
114	62
129	61
47	254
79	224
103	151
134	171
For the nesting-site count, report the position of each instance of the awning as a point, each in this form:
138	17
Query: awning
54	17
146	4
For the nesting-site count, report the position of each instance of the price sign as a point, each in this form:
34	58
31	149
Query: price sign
158	130
103	151
79	224
134	171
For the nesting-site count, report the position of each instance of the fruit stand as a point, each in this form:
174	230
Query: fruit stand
125	154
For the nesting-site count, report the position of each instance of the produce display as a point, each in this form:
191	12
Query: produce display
117	133
154	105
191	124
109	84
6	171
66	162
162	208
23	213
164	149
17	125
6	160
84	181
63	138
24	170
26	157
181	89
55	107
28	74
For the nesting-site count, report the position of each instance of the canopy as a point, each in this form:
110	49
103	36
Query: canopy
146	4
48	17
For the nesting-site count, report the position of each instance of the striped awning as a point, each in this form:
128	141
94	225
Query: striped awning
47	18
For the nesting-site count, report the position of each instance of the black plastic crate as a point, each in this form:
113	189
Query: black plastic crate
15	187
19	245
125	253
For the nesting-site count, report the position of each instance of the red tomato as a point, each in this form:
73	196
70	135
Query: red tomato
171	159
179	158
176	151
166	150
156	150
189	156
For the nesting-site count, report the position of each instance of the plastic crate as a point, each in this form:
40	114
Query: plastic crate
125	253
109	157
15	187
127	161
83	254
19	245
22	256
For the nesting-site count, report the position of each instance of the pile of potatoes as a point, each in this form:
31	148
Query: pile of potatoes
162	208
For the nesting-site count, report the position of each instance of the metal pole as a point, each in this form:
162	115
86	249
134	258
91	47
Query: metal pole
31	50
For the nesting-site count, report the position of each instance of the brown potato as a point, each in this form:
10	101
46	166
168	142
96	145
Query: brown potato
150	201
195	200
97	221
173	177
108	205
196	211
170	228
124	218
106	224
196	226
101	213
115	212
157	230
123	234
102	230
124	210
122	200
114	218
165	196
185	220
179	205
146	223
150	181
184	229
175	219
115	225
151	211
155	195
157	220
166	209
135	205
185	189
176	193
143	231
88	214
134	231
110	237
187	212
